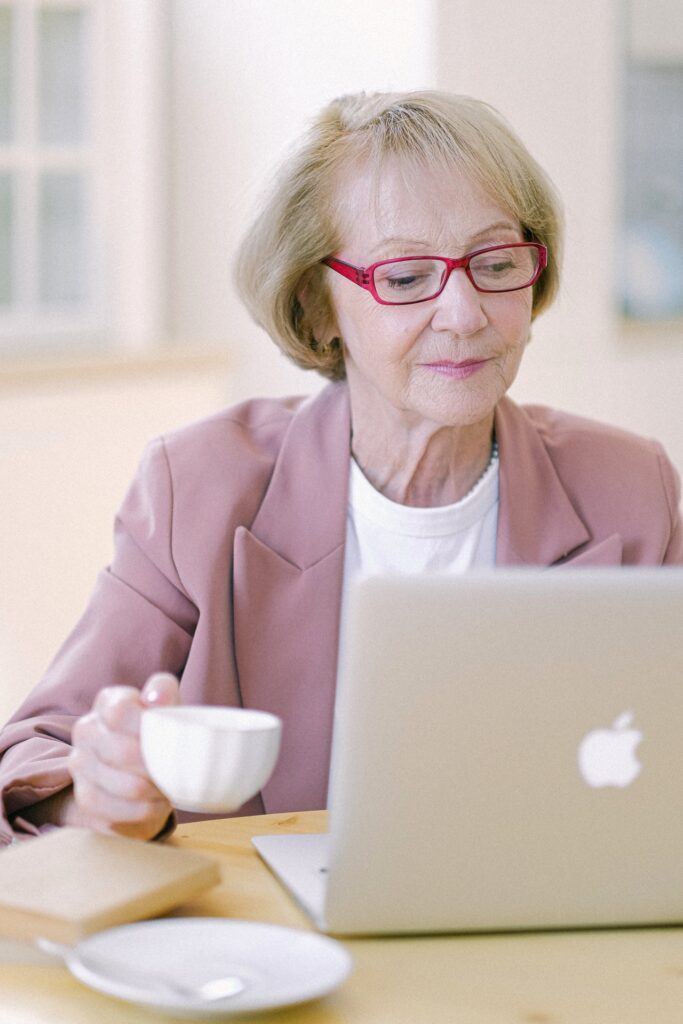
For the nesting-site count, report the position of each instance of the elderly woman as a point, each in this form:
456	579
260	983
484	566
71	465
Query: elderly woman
403	254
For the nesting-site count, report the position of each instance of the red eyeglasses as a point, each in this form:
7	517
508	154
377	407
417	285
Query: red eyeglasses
409	279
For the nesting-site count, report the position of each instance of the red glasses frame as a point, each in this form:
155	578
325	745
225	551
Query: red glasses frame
364	277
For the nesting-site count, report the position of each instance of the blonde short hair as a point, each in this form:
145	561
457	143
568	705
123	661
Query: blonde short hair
298	225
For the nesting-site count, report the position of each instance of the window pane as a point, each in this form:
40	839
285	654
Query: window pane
653	195
63	257
61	54
5	238
5	74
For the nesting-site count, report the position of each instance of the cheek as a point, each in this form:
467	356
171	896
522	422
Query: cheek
514	321
375	333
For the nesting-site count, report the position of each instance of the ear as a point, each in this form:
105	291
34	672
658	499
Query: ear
317	310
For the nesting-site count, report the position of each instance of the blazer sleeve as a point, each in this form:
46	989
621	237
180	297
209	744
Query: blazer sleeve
139	620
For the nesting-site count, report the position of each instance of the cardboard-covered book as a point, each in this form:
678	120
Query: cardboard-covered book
73	881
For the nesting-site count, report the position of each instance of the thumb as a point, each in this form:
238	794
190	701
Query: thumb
161	688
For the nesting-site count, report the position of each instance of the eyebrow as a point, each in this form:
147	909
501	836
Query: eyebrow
500	225
490	229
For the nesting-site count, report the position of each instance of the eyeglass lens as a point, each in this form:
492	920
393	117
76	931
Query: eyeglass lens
501	269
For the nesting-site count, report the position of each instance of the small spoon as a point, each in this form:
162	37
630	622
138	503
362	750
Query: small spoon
212	990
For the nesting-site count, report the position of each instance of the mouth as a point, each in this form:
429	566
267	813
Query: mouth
460	371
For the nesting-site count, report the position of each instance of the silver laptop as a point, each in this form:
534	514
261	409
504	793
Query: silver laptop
508	754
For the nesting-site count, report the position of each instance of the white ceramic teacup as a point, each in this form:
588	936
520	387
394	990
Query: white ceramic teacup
210	759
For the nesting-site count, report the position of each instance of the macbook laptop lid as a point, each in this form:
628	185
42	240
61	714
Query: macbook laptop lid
506	755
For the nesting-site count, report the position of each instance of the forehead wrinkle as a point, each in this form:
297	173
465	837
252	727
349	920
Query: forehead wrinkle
405	214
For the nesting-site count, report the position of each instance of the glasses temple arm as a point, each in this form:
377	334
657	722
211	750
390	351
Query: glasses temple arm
356	274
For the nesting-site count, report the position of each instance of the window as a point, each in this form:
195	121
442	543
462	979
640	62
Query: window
80	135
50	224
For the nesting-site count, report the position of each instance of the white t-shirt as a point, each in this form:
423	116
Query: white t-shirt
384	537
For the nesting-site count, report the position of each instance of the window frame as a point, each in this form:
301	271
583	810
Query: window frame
124	159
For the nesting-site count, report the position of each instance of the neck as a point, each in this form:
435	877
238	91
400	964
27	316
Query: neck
422	464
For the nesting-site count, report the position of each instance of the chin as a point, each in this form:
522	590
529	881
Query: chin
463	409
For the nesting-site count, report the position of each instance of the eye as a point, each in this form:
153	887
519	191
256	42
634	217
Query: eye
496	265
412	278
402	281
503	268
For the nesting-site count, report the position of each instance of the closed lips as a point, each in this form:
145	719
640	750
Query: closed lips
459	371
449	364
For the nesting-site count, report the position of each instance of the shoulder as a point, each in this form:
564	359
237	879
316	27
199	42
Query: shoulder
234	446
195	485
570	438
601	456
259	425
223	464
219	464
248	428
604	457
251	433
614	478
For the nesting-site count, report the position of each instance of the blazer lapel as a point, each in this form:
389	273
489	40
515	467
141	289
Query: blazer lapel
607	552
538	524
287	584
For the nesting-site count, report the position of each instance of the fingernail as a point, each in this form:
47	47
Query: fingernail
154	688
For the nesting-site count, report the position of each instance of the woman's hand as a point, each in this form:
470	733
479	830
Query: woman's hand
112	791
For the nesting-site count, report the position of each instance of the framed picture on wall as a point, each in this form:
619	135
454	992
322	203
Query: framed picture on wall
651	276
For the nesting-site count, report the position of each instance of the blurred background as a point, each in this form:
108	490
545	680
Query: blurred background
135	139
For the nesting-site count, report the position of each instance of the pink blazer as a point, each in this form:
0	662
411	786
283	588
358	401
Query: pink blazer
228	570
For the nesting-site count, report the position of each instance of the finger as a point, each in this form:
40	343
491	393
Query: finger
144	830
161	688
119	707
98	806
115	780
117	749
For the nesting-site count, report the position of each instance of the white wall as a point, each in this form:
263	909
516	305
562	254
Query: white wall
655	30
247	77
553	69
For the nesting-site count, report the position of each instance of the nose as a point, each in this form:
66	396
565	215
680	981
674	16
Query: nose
459	308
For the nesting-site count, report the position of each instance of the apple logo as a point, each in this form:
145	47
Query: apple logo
607	756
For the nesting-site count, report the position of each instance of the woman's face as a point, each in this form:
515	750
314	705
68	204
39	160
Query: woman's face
408	360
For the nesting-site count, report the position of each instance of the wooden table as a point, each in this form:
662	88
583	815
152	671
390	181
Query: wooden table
602	977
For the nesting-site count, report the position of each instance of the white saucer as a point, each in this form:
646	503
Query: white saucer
279	966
